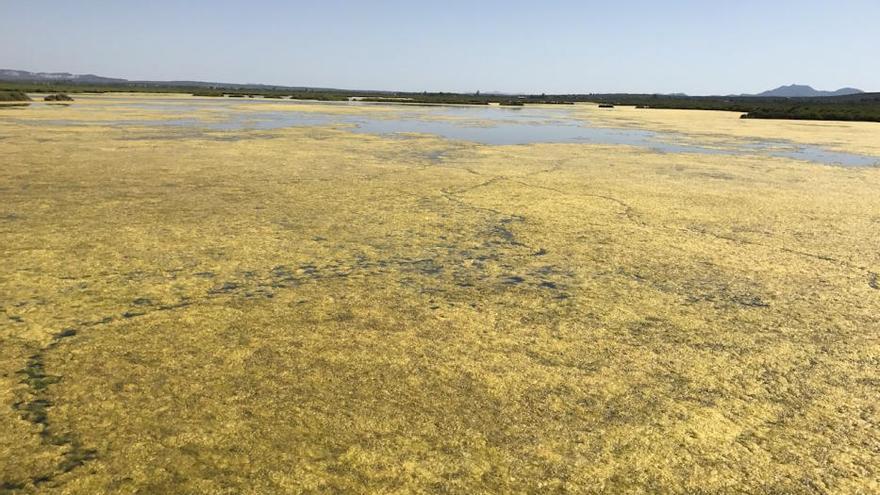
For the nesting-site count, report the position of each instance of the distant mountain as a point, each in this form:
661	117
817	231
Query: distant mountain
11	75
802	91
25	76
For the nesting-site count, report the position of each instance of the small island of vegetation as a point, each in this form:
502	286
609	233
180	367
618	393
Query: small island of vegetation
14	96
58	97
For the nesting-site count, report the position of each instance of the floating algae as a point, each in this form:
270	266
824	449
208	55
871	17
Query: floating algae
322	311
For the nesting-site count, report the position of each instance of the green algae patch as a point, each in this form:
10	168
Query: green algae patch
315	311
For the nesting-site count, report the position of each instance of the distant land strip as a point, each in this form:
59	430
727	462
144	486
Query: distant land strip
856	106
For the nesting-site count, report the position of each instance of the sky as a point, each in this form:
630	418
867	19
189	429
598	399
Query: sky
551	46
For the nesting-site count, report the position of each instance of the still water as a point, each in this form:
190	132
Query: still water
489	125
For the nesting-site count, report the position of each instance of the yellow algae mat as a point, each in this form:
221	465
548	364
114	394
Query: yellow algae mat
308	310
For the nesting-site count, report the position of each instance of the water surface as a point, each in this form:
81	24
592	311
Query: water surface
490	125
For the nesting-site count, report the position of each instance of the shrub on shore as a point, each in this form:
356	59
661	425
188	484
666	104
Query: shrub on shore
58	97
14	96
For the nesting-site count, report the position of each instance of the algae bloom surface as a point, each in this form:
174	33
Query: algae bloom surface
189	309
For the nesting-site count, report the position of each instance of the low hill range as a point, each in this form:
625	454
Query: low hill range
23	76
804	91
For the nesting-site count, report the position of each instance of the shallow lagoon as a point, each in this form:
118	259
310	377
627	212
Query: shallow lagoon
493	125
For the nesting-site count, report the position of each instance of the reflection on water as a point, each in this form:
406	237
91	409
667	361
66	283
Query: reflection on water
482	124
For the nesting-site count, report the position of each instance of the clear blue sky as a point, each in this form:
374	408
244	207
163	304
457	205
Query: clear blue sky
698	47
